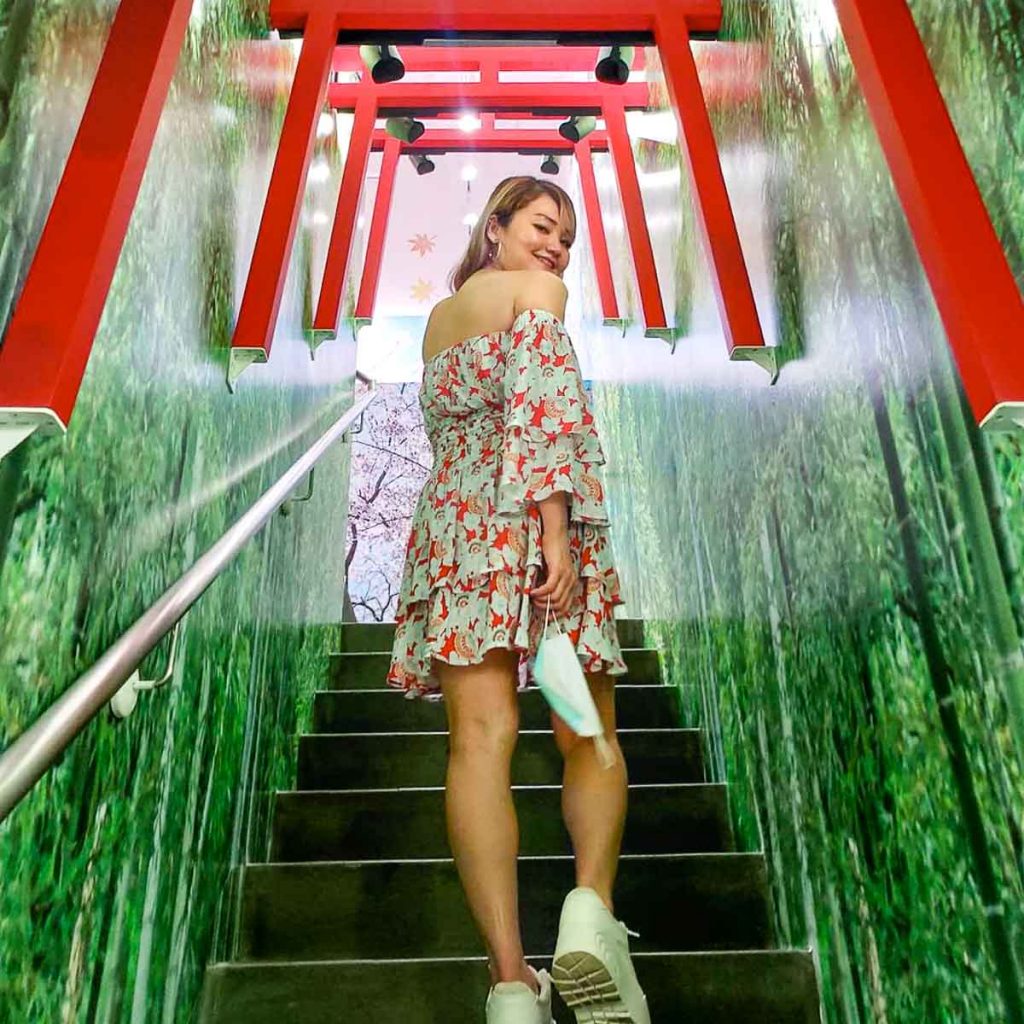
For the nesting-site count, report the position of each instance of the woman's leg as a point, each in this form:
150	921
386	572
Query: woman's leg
593	797
483	725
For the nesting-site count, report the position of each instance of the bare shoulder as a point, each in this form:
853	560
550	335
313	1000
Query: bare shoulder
438	315
439	308
539	289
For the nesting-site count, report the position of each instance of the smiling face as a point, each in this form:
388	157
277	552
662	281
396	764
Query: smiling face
537	237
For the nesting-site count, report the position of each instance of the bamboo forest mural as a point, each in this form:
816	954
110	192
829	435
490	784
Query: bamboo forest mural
119	869
830	564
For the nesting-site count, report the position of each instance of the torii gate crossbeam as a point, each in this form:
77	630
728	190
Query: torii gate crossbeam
48	342
451	97
738	313
489	140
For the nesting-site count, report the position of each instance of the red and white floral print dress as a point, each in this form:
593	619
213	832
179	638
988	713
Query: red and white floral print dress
509	423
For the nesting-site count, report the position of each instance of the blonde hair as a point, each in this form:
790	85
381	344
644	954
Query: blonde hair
510	196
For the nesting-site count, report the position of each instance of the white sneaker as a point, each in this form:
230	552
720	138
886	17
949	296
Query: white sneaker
592	970
514	1002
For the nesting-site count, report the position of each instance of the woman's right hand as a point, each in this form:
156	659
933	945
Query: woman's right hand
560	580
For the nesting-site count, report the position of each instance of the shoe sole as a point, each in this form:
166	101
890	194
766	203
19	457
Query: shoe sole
588	989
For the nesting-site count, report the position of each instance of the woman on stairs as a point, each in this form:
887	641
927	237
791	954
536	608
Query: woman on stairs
511	523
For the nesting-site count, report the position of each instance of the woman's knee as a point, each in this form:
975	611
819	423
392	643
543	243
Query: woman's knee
494	734
483	710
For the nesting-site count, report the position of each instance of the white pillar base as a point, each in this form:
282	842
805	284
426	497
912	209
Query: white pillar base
17	424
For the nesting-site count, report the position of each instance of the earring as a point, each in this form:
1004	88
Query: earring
495	252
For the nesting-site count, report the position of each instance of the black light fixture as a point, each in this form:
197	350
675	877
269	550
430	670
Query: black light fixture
405	129
383	61
422	163
613	64
577	127
550	165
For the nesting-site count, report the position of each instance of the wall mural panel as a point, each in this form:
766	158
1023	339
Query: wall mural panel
119	868
821	560
824	559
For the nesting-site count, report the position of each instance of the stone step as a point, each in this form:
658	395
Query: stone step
396	909
750	987
389	760
379	636
366	671
407	823
384	710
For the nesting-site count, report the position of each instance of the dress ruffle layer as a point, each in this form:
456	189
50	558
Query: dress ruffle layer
510	425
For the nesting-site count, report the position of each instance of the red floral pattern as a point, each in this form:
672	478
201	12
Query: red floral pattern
509	424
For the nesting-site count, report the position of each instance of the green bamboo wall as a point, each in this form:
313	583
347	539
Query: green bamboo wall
117	882
791	546
831	564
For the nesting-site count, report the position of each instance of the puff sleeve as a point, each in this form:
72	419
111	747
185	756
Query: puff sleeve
549	440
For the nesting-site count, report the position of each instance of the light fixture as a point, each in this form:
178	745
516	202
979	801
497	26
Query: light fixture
613	64
383	61
320	171
470	219
405	129
577	127
470	123
325	125
422	163
550	165
469	173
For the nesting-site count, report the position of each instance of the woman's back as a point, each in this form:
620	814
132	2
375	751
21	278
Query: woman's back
488	303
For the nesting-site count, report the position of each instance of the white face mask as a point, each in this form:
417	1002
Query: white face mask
560	678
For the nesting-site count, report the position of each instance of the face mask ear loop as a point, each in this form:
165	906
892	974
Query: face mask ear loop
548	609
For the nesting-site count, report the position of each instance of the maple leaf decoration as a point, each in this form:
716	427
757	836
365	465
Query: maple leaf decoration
422	244
422	290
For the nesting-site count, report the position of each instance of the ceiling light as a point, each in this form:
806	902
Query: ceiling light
422	163
577	127
320	171
384	63
405	129
613	64
470	219
469	173
550	165
470	123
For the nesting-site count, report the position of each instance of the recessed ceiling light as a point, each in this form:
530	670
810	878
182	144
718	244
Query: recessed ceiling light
320	171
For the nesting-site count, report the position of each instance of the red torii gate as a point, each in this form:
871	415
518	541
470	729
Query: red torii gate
490	140
486	97
50	336
255	328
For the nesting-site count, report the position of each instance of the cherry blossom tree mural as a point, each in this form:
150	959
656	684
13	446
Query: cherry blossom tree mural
390	463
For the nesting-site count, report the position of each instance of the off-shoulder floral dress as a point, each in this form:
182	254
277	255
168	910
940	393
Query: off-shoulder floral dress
509	424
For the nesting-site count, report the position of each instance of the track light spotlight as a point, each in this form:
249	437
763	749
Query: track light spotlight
405	129
613	64
550	165
384	63
577	127
422	163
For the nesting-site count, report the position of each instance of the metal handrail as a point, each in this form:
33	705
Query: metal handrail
36	749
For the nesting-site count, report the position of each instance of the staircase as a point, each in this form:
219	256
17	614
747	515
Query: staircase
359	916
